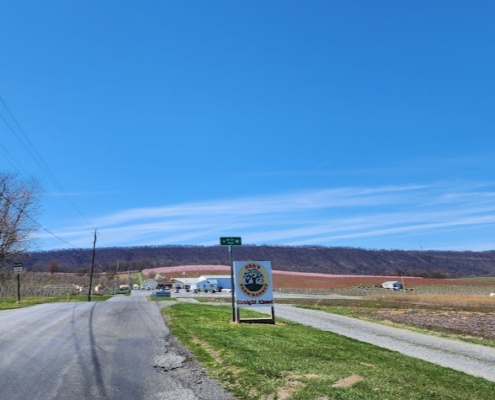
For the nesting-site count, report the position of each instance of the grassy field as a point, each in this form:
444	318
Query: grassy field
288	360
7	303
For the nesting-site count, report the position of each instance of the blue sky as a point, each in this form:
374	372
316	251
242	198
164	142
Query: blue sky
335	123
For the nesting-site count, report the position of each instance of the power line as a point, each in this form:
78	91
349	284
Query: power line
36	222
31	149
11	159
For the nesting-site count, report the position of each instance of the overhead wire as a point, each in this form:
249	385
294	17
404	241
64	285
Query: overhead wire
36	222
31	149
11	159
35	155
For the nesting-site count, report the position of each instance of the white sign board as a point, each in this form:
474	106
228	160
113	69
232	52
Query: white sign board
253	283
17	270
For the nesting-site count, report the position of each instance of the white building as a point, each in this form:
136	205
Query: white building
222	281
185	283
207	285
149	284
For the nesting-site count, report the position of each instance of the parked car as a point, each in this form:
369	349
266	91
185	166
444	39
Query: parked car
394	285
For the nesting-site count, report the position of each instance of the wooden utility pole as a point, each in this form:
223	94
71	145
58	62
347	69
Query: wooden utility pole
117	279
92	268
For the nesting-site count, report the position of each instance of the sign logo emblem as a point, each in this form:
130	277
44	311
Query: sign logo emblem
253	280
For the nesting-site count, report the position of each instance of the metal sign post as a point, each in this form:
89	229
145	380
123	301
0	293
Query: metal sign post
18	271
231	241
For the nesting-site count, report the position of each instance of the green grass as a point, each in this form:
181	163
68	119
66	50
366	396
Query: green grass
256	361
7	303
220	300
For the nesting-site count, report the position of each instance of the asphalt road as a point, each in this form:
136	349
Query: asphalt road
117	349
121	349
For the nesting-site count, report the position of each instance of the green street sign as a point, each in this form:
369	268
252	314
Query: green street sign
230	241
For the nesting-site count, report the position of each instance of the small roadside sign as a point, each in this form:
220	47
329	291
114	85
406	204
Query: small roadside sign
230	241
17	268
17	272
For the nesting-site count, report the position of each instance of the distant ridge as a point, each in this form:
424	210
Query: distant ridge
316	259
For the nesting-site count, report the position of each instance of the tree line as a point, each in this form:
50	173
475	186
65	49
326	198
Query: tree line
317	259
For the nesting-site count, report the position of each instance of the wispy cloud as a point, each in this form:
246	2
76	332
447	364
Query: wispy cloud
444	215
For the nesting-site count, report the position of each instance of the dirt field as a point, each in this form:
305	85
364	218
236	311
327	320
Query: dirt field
475	324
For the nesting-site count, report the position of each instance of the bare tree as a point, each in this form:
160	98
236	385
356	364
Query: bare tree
19	204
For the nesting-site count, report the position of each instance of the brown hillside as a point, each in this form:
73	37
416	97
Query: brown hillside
316	259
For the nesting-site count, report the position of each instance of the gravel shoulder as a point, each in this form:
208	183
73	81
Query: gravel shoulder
470	358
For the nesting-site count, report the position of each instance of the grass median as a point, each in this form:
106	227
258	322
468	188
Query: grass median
7	303
288	360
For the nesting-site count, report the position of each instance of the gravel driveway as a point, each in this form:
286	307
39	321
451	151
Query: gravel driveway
472	359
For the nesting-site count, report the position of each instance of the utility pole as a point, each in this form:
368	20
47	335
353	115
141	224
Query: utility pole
117	279
92	268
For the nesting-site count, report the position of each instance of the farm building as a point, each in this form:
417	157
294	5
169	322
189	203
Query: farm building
203	282
394	285
223	281
207	285
149	284
184	283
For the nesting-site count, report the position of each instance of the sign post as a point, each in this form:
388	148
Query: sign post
18	271
231	241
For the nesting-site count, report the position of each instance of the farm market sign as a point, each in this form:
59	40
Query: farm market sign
253	283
